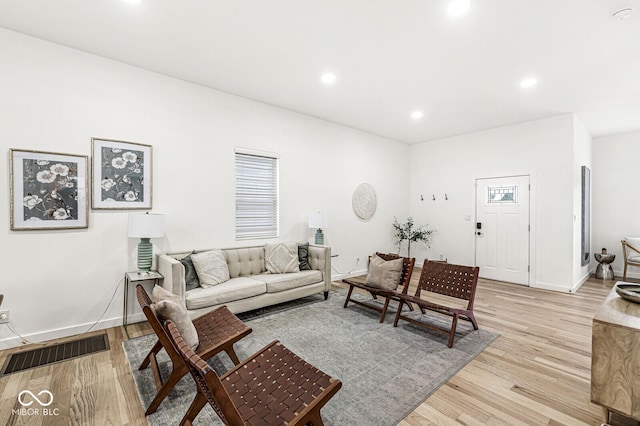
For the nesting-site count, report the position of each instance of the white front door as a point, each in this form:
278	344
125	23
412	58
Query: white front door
502	228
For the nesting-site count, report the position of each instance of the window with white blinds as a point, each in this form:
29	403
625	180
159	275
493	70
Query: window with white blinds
256	195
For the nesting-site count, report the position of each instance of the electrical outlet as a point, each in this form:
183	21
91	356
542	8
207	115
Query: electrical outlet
4	316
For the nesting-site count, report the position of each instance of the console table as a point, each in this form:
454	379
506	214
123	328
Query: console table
615	357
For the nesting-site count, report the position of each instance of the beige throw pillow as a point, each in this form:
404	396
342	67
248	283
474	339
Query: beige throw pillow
211	267
281	258
384	274
168	310
169	307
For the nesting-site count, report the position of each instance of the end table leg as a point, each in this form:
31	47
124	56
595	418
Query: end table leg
125	307
605	416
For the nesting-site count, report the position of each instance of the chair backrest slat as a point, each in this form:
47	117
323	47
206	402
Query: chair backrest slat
449	279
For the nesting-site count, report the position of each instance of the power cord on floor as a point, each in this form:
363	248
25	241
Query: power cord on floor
11	327
108	305
345	273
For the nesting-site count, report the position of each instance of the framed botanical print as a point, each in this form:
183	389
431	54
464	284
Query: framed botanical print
48	190
121	175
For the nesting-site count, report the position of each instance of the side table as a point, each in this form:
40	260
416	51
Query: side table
604	269
134	277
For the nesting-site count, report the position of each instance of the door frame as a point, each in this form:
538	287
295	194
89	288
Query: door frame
532	220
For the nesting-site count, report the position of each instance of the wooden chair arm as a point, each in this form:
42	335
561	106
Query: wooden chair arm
624	243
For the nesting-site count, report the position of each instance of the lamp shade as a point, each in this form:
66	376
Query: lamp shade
146	225
318	220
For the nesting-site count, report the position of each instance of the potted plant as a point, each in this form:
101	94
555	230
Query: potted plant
410	232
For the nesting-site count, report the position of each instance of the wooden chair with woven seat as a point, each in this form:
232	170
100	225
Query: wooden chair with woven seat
449	280
272	387
631	254
388	295
217	331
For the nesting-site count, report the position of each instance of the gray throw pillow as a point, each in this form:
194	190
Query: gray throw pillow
211	267
281	258
190	274
384	274
303	257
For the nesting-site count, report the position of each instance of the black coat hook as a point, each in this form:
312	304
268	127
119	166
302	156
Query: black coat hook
445	197
434	197
421	197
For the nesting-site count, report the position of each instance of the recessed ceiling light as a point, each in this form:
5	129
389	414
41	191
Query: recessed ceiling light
328	78
416	115
458	8
528	82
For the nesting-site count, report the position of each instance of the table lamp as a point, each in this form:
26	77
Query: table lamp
318	220
145	226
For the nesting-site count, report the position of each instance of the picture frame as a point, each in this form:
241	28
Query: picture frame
121	177
47	190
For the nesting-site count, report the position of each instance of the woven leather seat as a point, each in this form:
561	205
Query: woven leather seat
405	279
272	387
217	331
446	279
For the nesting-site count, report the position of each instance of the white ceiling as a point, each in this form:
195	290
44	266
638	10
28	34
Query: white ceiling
390	57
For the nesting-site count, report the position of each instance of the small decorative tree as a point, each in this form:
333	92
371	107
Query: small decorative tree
410	232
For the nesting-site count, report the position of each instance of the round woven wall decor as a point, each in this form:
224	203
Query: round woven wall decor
364	201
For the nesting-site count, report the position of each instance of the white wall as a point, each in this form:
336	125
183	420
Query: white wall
542	149
616	204
581	157
57	283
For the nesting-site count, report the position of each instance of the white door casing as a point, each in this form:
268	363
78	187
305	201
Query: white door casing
502	239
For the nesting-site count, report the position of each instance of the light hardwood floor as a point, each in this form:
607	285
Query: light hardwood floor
536	373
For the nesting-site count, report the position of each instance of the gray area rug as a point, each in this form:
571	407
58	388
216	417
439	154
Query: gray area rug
386	372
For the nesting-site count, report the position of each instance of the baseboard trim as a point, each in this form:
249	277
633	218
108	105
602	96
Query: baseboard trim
553	287
339	277
44	336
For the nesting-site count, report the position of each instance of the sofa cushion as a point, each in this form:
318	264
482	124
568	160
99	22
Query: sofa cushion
234	289
211	267
190	274
281	258
245	261
384	274
303	257
281	282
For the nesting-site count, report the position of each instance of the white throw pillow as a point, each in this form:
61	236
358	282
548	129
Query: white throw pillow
281	258
211	267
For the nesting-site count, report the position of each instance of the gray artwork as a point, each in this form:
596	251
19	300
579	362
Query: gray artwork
122	177
50	190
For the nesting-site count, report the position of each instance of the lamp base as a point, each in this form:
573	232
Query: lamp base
145	255
319	237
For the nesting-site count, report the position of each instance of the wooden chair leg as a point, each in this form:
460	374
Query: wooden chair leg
145	362
194	409
384	309
452	333
472	317
395	321
176	375
314	419
624	277
232	354
346	301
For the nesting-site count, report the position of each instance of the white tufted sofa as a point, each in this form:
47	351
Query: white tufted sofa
250	286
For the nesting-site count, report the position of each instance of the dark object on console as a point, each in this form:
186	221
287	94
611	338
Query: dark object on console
272	387
217	331
405	278
447	279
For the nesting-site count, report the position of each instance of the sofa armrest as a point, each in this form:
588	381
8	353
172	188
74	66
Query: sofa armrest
320	259
173	272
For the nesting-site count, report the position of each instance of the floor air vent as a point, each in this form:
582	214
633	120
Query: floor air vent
55	353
